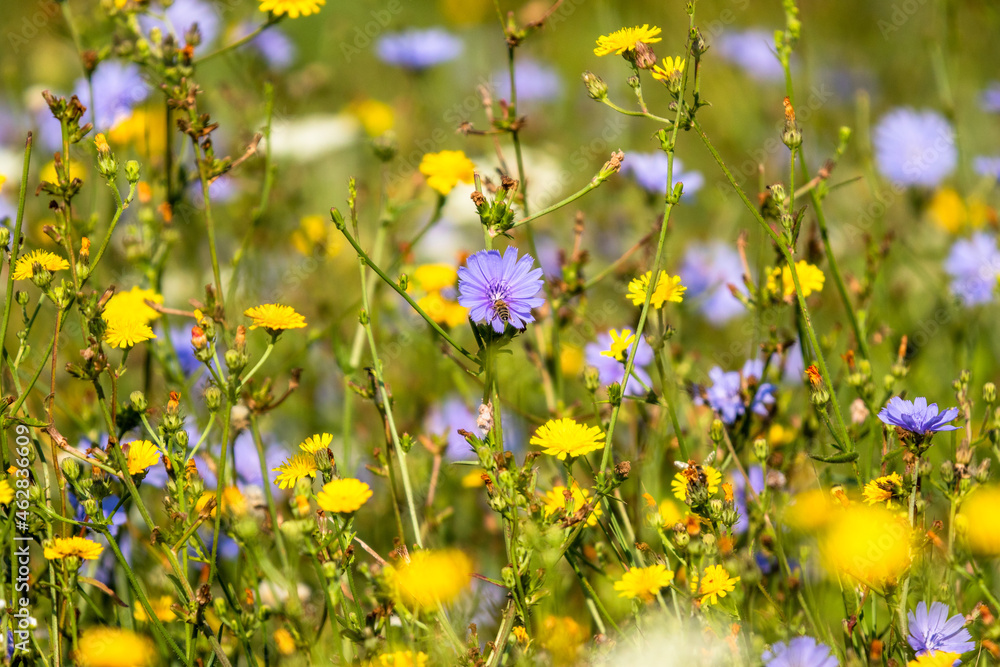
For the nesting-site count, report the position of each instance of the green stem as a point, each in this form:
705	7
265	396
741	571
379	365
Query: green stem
15	249
386	403
790	261
413	304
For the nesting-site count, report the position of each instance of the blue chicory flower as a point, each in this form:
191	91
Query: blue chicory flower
916	416
799	652
180	16
741	495
650	171
500	290
273	45
915	147
987	165
117	87
752	51
535	82
990	98
973	265
418	49
707	270
612	370
932	630
725	393
445	419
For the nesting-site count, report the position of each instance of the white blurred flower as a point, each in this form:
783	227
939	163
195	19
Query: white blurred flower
307	138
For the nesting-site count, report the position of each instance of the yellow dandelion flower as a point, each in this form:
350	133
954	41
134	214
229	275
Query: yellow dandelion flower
343	495
274	318
473	480
48	172
293	8
284	641
145	129
521	635
79	547
571	359
620	342
401	659
626	39
669	513
644	582
132	305
443	311
162	609
556	500
376	117
870	544
668	289
445	169
125	332
811	279
429	577
779	435
809	511
3	179
563	638
316	236
233	501
294	469
6	492
24	268
435	277
715	584
885	489
689	476
981	520
113	647
935	659
141	455
316	443
565	438
671	67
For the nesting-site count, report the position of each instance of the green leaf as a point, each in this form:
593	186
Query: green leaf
842	457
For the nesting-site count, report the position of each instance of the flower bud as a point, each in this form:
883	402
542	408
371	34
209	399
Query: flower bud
70	468
778	193
615	393
596	87
198	338
213	398
990	392
760	449
236	361
139	401
717	431
947	472
820	397
385	147
132	171
4	237
715	507
983	471
591	379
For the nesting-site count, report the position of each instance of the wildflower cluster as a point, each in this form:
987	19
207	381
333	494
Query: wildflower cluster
378	350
